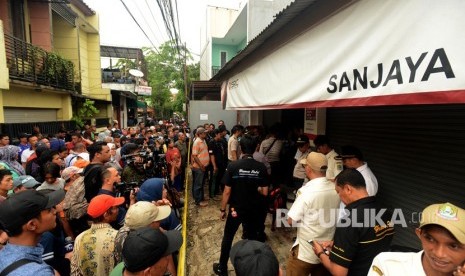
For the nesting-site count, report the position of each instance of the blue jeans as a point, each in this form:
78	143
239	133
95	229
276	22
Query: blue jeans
197	185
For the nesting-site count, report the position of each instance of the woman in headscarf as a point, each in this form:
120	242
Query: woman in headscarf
153	189
9	160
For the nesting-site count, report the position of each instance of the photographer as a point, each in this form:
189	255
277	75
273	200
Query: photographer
110	177
134	169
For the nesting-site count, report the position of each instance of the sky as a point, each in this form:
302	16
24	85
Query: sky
117	28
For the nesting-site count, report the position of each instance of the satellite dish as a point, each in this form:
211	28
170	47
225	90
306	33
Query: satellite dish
136	73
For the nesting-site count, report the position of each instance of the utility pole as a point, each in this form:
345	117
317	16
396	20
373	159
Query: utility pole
186	98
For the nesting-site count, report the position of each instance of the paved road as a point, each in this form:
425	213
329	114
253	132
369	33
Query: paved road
205	231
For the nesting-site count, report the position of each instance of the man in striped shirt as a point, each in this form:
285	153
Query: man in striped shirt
200	160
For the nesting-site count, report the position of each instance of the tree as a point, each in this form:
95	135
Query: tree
165	72
85	110
125	64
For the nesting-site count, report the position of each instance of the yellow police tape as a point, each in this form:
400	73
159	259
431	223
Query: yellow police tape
182	251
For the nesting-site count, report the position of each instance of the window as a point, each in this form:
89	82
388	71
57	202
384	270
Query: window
223	58
17	19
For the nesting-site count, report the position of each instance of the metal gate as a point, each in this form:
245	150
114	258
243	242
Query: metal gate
416	152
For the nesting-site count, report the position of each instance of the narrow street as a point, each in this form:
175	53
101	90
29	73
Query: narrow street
204	234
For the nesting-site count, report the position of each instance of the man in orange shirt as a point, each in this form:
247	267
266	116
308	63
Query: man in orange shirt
200	160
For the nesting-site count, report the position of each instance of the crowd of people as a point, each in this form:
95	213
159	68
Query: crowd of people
86	203
255	163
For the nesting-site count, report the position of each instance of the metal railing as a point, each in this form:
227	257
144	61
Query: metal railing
30	63
14	129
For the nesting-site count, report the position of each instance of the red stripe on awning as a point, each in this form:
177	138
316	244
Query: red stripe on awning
439	97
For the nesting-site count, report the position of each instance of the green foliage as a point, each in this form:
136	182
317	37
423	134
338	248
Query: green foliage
166	71
124	64
57	69
85	111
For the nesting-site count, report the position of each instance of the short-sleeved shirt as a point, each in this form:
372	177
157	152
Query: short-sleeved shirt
93	252
26	154
233	144
218	149
181	146
272	147
244	177
315	201
299	170
397	263
370	179
356	245
12	252
201	150
334	166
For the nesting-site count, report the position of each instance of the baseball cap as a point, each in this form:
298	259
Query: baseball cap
145	246
251	257
302	139
70	171
143	213
316	161
25	180
349	152
21	207
102	203
81	163
448	216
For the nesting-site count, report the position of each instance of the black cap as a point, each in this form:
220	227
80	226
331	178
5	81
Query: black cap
302	139
18	209
349	152
251	257
146	246
321	140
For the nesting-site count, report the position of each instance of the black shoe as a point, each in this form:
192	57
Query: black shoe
218	270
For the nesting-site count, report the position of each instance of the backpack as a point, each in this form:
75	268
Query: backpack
75	205
277	201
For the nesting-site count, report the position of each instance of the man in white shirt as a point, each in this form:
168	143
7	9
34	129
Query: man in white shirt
315	202
32	140
442	236
323	146
352	158
303	149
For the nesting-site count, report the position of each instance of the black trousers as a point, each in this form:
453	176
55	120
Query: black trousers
250	221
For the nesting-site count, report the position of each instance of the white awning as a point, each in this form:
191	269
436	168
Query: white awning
370	53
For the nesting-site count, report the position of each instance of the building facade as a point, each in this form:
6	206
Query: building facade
52	56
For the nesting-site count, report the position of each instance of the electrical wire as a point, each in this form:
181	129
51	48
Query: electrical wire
154	18
139	26
146	22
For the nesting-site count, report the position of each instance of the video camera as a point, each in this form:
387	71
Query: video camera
124	189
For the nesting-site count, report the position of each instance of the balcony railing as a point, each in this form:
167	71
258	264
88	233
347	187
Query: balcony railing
215	70
30	63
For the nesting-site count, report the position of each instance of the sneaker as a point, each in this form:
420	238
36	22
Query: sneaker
203	204
218	270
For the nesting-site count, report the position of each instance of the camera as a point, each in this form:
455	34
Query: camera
124	189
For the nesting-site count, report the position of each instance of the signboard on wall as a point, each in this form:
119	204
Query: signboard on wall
315	121
203	117
144	90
